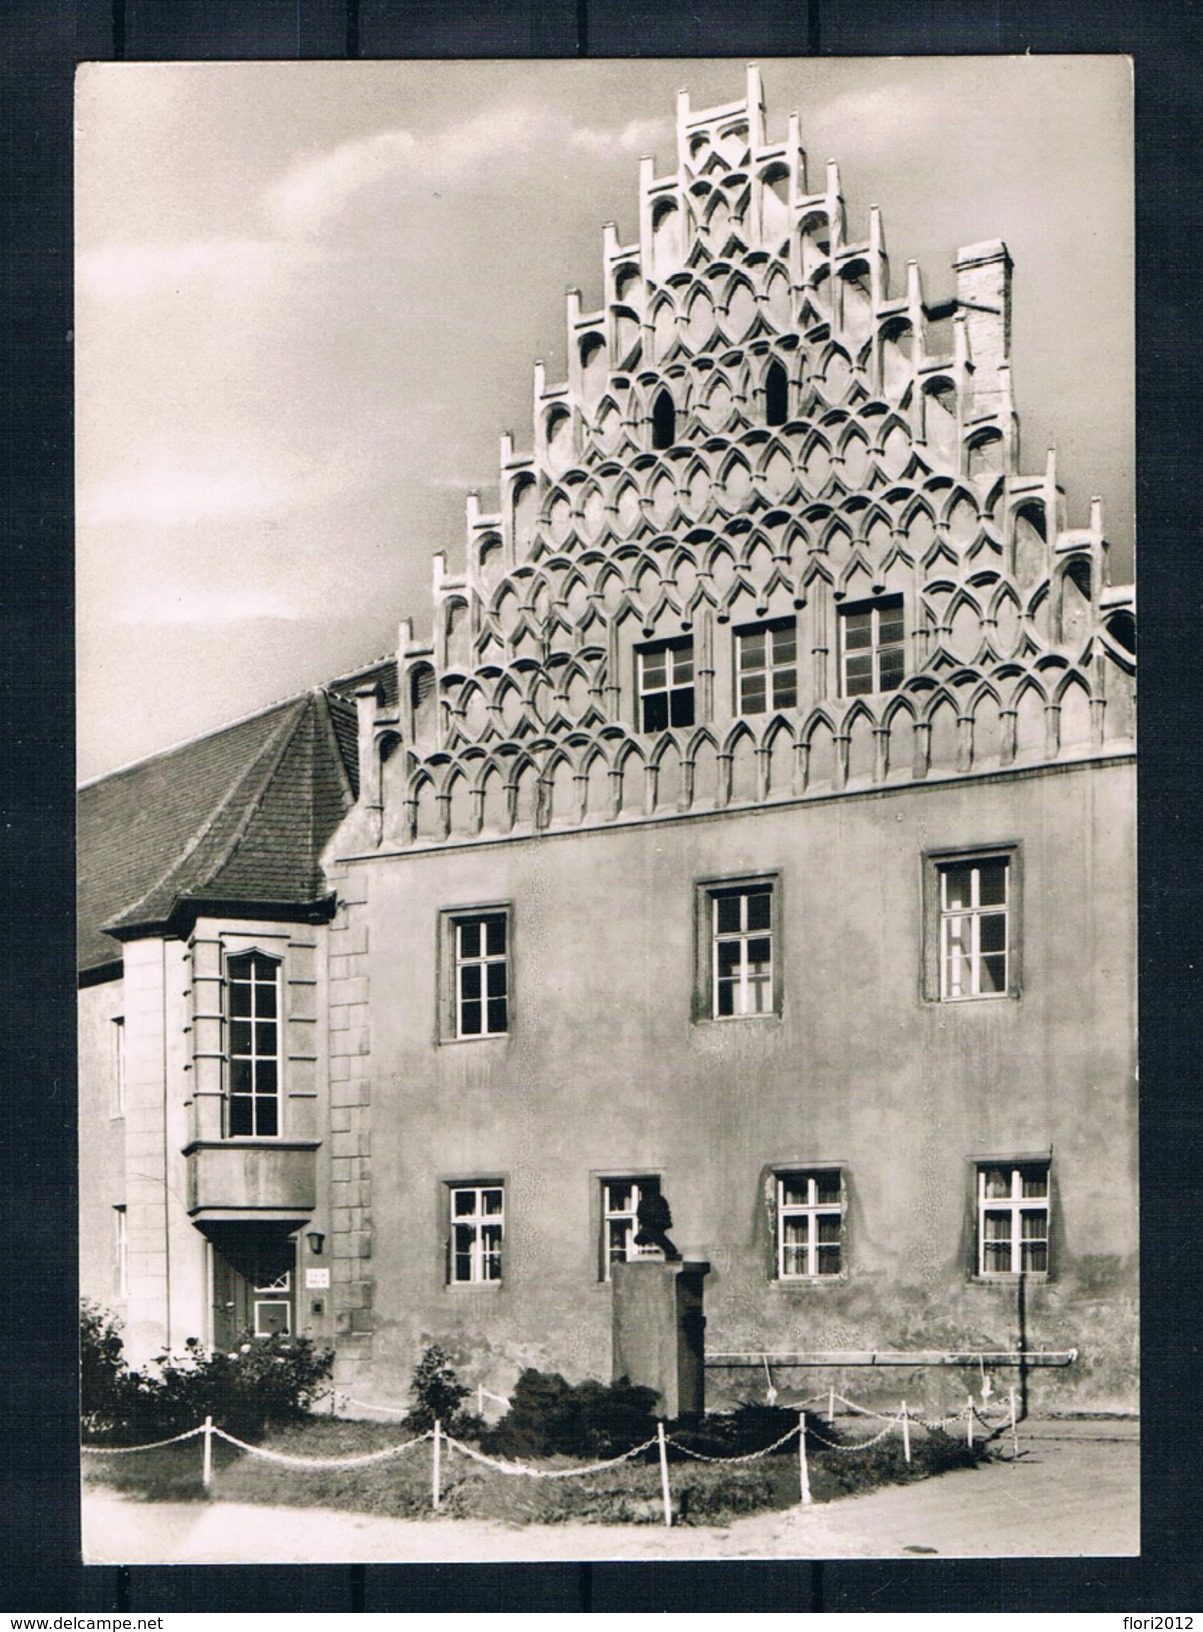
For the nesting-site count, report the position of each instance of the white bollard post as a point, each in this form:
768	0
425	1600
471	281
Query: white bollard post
668	1511
436	1470
207	1464
803	1470
1014	1426
969	1422
831	1404
906	1433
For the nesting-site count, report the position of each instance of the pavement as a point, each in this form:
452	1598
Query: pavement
1072	1492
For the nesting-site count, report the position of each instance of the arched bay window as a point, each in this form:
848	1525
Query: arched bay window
253	1047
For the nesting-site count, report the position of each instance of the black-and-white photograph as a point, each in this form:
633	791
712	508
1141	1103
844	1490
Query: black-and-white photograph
607	811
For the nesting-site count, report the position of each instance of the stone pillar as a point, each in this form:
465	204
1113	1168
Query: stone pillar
659	1332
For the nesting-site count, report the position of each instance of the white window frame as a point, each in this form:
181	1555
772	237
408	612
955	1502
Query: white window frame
812	1209
485	1262
118	1065
252	956
678	649
770	668
627	1218
1016	1206
970	959
875	648
120	1251
746	982
483	961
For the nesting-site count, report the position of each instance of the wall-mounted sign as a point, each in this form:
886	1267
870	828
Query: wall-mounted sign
316	1280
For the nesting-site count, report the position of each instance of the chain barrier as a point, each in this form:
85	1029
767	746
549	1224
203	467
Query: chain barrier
128	1450
368	1405
862	1444
319	1461
752	1456
545	1473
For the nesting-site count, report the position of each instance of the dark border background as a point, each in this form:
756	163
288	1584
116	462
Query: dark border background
40	42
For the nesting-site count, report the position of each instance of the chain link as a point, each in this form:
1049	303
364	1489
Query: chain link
154	1445
545	1473
320	1461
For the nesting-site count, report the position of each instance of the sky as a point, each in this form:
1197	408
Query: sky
309	296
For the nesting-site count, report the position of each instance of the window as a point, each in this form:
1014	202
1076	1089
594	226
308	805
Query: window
776	395
120	1254
477	1227
481	975
666	684
810	1219
1012	1218
767	659
620	1200
973	928
253	1103
273	1313
872	654
741	928
664	420
118	1065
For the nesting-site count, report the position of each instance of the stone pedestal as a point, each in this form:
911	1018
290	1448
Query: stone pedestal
659	1332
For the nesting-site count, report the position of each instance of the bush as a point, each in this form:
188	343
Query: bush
436	1390
263	1381
750	1427
549	1417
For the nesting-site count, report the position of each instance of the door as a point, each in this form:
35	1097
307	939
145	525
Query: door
254	1277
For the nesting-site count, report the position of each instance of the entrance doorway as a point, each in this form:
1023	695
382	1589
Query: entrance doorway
254	1283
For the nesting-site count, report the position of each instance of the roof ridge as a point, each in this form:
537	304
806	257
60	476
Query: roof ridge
242	719
284	730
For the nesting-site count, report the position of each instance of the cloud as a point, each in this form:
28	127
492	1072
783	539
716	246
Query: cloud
208	606
173	493
315	192
640	136
113	273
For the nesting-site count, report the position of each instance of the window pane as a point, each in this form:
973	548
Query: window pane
993	974
996	1258
891	671
469	1019
618	1197
239	1116
265	1076
829	1228
828	1260
1033	1224
265	999
726	997
617	1234
681	706
785	644
655	712
654	670
469	981
827	1187
727	919
495	979
469	940
751	650
997	1226
265	1037
785	689
1034	1182
682	664
890	626
760	908
793	1191
463	1203
993	932
759	952
240	1076
1035	1256
752	694
956	881
730	957
992	885
858	631
267	1118
495	936
240	998
497	1014
240	1037
996	1182
858	679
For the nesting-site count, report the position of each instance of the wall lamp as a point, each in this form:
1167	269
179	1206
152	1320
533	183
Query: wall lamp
316	1241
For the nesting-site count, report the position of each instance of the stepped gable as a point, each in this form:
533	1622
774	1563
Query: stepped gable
239	815
758	423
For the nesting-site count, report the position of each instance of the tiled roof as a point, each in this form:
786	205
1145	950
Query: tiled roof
241	814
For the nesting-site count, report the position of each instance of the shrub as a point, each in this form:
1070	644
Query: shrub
438	1396
750	1427
549	1416
104	1377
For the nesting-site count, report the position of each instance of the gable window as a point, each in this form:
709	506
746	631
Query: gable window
973	928
741	947
1012	1218
872	649
665	684
767	661
620	1200
810	1224
253	1033
477	1230
481	996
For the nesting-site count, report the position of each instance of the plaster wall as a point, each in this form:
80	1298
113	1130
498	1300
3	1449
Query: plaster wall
606	1072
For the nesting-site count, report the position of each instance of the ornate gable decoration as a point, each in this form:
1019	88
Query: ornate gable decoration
771	541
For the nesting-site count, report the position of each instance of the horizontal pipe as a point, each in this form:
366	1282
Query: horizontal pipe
899	1357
